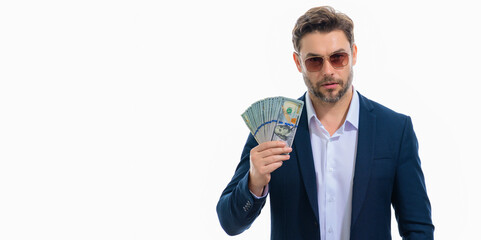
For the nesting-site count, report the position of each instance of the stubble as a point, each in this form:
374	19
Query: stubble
330	96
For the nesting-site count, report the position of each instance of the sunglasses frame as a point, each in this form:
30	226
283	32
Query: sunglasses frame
327	58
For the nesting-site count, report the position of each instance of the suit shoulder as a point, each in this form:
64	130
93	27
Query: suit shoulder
383	112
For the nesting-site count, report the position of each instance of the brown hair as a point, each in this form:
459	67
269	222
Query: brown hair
322	19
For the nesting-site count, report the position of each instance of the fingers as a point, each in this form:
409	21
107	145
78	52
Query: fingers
275	158
273	166
272	144
274	151
267	149
264	159
269	152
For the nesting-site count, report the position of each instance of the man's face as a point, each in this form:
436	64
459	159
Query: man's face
328	84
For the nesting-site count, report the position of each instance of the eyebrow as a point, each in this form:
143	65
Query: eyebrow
317	55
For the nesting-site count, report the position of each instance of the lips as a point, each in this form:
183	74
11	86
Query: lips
330	85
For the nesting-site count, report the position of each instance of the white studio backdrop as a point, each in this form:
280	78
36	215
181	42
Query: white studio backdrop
121	119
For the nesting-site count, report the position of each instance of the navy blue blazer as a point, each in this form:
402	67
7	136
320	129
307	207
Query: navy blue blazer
387	171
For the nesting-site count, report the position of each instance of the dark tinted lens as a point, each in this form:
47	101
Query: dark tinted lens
339	59
314	64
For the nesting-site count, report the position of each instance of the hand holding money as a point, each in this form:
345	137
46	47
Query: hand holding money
273	123
265	158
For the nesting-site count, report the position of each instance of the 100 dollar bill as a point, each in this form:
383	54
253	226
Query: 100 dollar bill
274	119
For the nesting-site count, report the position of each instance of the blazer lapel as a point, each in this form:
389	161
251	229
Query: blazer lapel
303	150
364	156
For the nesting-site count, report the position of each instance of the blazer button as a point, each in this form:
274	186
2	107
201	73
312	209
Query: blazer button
315	223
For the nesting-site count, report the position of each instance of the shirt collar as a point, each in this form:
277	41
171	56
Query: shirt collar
352	115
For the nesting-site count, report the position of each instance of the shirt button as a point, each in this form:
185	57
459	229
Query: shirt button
330	230
331	199
331	169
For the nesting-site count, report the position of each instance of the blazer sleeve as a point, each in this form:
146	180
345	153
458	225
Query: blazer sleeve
410	201
237	208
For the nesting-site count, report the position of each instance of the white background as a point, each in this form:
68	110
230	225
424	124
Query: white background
121	119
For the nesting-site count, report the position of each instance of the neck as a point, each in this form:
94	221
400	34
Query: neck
332	115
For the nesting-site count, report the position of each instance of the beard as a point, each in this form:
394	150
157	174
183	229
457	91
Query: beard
331	96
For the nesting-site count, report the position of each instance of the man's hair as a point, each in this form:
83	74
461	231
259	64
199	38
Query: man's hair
322	19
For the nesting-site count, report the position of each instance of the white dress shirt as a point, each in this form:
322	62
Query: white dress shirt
334	159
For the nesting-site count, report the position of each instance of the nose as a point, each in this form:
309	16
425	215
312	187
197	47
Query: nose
327	68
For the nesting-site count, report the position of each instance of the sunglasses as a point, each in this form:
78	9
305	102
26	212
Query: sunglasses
337	60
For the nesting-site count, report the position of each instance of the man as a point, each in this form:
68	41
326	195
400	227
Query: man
351	159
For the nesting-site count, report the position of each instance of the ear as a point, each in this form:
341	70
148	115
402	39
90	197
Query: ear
354	54
297	60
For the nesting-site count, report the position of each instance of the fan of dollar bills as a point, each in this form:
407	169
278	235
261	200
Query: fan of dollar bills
273	119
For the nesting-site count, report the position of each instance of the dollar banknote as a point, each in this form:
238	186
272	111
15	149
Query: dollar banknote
274	118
